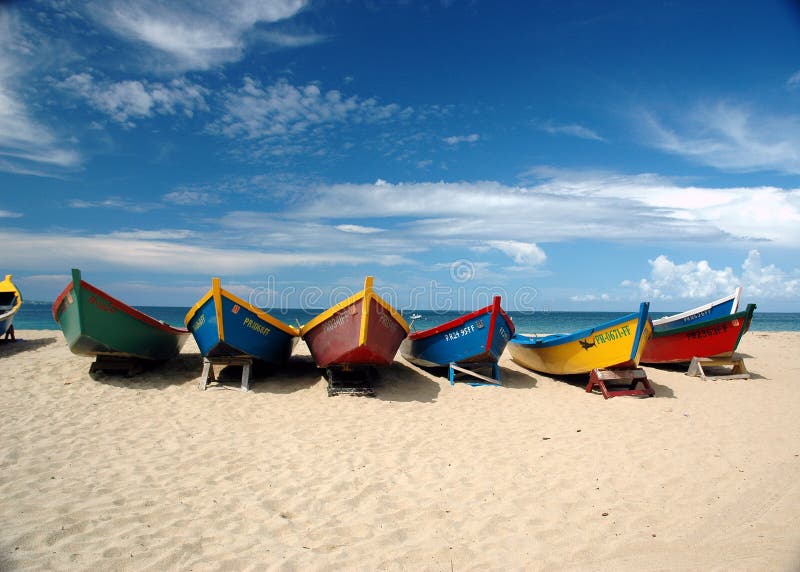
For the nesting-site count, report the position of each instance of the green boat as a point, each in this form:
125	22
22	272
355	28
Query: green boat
96	324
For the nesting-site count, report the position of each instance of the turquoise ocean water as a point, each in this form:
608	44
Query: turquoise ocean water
37	316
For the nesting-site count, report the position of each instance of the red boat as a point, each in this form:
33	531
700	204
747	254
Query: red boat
718	337
363	330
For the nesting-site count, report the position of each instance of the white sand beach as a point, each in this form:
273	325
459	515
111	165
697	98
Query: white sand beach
150	473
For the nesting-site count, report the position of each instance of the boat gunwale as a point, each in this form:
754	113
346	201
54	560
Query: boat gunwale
744	314
528	340
460	320
736	297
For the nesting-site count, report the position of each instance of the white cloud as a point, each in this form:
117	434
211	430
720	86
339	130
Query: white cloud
9	214
30	147
126	100
698	280
281	110
794	80
456	139
590	298
573	130
191	198
194	34
114	203
358	229
565	206
36	251
729	137
523	253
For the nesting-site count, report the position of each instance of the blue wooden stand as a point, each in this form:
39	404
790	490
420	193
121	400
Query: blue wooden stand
456	371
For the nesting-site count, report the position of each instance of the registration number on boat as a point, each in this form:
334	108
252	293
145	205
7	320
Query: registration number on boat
455	334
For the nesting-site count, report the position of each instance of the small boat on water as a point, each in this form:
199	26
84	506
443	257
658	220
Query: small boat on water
718	308
10	302
225	325
96	324
363	330
477	337
711	338
617	343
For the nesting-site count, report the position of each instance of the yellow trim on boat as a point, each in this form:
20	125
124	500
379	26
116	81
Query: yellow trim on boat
216	289
317	320
8	286
368	295
273	321
196	308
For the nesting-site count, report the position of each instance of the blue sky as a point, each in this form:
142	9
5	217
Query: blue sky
568	155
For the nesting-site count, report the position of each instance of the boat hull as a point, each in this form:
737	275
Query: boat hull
615	344
717	337
10	303
716	309
478	337
96	324
224	325
363	330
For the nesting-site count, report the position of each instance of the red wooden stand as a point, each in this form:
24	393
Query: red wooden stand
614	382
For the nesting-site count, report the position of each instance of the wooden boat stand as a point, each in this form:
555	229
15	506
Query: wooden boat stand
616	382
462	372
246	364
127	366
10	334
735	362
351	380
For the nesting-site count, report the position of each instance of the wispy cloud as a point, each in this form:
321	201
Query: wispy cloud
188	197
114	203
794	80
457	139
572	129
9	214
27	145
699	280
729	137
196	34
656	209
156	253
281	110
127	100
358	229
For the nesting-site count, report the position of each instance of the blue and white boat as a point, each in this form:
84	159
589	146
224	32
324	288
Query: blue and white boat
10	302
716	309
477	337
226	326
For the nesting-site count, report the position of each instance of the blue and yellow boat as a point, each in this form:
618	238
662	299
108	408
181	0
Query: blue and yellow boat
224	325
618	343
10	302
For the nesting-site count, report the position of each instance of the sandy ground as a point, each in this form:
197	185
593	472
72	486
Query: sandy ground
150	473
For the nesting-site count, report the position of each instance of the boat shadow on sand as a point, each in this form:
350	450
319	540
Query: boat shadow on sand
13	347
182	369
581	380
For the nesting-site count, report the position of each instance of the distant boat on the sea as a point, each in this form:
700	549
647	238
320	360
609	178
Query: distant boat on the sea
477	337
96	324
224	325
363	330
711	338
10	302
617	343
718	308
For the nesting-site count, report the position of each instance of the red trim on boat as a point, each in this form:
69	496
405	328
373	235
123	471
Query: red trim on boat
492	322
57	303
133	312
448	325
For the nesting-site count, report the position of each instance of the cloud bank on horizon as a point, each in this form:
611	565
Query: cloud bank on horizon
161	143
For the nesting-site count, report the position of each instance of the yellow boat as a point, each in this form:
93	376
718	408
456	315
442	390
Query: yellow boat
10	302
618	343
